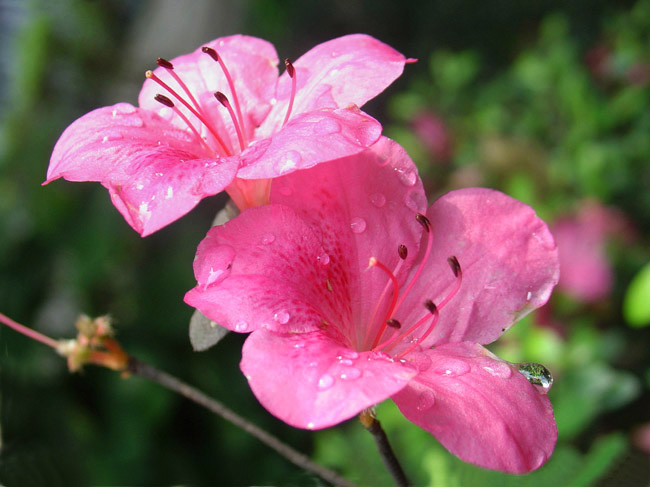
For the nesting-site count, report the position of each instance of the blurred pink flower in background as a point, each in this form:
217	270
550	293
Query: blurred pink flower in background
434	135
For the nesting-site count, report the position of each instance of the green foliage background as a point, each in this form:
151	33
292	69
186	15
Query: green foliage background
527	116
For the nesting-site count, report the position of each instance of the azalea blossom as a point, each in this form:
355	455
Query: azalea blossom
221	118
355	292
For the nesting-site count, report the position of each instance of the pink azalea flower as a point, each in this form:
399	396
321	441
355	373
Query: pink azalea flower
221	118
352	299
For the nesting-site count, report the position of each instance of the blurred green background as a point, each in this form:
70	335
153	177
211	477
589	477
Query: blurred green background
547	101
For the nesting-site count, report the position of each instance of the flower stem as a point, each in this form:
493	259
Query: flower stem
391	463
28	332
146	371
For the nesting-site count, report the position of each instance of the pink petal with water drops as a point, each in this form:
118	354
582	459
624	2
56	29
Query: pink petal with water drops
508	259
263	269
481	409
313	381
365	206
348	70
154	171
309	139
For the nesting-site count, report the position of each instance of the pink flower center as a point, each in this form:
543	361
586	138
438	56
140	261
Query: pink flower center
184	96
422	328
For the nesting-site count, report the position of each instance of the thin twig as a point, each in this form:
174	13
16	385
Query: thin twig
391	463
146	371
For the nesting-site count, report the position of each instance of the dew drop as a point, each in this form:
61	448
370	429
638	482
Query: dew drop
241	326
299	345
345	361
217	267
281	317
325	382
351	374
425	401
327	126
351	355
452	368
323	259
529	295
498	369
273	101
133	122
381	160
358	225
310	426
112	136
268	239
289	162
407	177
126	108
378	200
537	375
415	200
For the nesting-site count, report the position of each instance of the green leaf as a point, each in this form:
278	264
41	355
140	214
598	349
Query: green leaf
636	304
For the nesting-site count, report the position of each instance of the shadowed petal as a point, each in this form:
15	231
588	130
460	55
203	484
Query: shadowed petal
508	259
312	380
481	409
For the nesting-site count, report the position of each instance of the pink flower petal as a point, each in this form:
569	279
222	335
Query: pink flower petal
309	139
313	381
252	64
348	70
481	409
155	172
262	269
508	259
365	206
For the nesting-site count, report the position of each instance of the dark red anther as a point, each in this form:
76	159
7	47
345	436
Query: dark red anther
402	251
290	69
431	306
164	100
424	221
455	266
211	52
163	63
223	99
393	323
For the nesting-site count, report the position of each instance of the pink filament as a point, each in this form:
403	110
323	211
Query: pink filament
436	315
375	263
155	78
224	101
28	332
292	73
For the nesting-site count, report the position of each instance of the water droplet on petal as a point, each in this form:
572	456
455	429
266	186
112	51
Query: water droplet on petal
498	369
220	264
381	160
378	199
358	225
126	108
351	374
313	364
351	355
241	326
310	426
529	295
537	375
133	122
325	382
323	259
345	361
425	401
111	136
407	177
281	317
327	127
289	162
416	200
299	345
452	368
268	239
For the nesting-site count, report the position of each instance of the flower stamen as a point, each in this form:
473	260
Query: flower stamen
292	73
162	99
215	56
151	75
393	280
223	99
163	63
